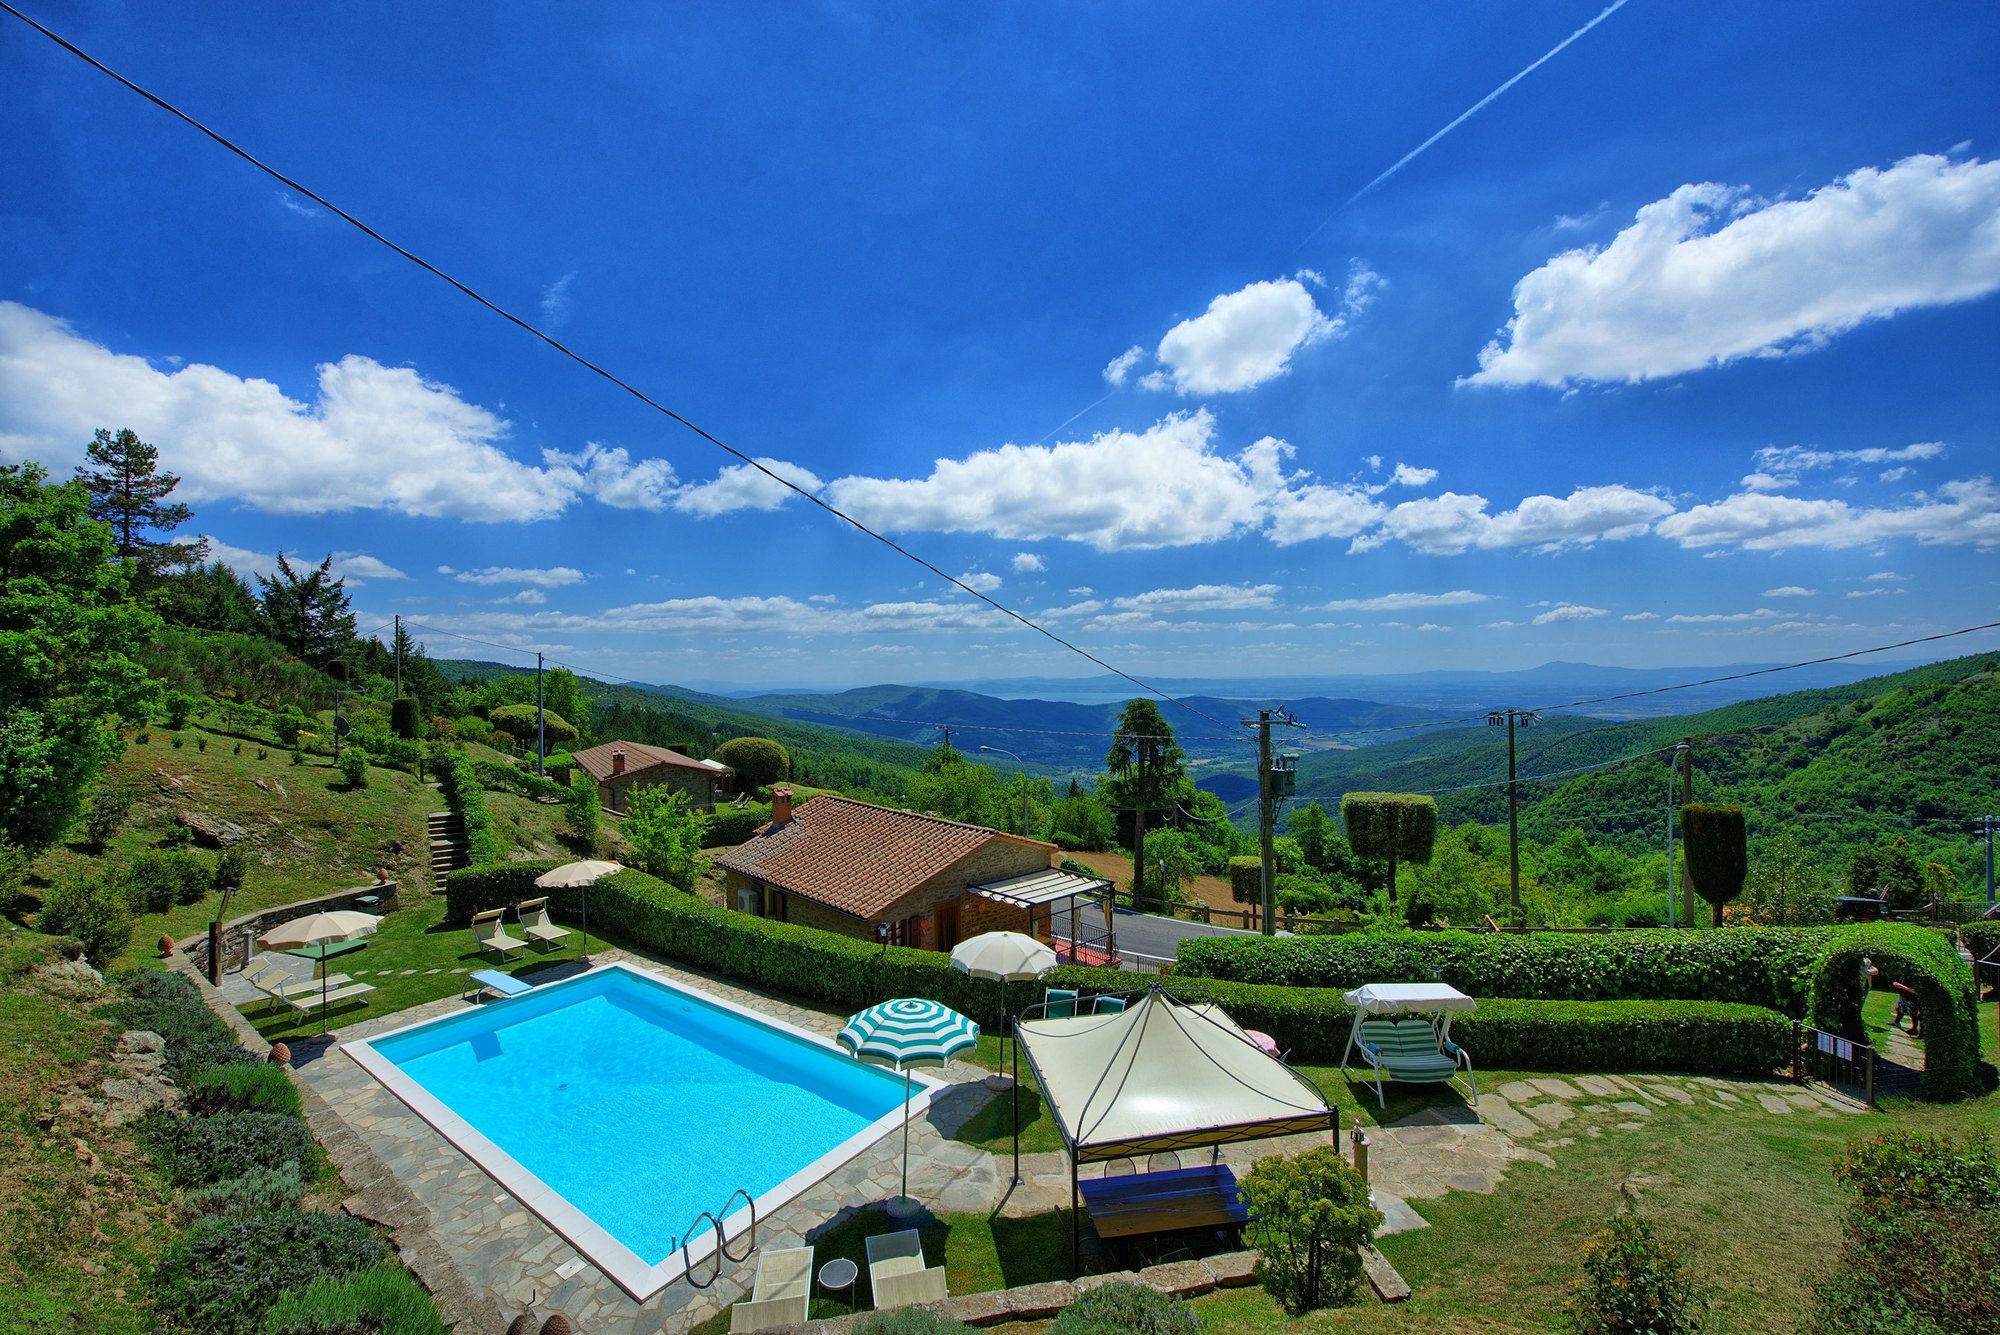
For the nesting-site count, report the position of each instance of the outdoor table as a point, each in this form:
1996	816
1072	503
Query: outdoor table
838	1275
1167	1202
321	954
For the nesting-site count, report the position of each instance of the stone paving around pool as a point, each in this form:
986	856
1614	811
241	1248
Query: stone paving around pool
503	1250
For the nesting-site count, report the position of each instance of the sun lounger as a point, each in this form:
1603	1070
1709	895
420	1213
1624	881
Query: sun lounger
307	1000
280	984
537	926
780	1295
492	934
897	1276
491	982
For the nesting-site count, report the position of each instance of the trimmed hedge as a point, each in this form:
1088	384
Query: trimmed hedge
1313	1022
728	826
1926	962
513	779
1981	938
1752	966
458	779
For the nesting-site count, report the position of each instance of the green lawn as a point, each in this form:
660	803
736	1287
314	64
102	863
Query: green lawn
412	937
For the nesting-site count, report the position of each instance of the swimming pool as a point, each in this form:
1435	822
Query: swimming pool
619	1106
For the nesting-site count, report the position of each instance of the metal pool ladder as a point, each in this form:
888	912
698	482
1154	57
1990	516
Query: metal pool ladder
722	1252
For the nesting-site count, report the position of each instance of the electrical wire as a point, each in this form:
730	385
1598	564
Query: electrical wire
594	368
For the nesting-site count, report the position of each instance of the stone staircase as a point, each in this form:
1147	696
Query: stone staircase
447	834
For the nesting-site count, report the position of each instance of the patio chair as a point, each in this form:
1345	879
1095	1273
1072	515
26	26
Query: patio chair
1059	1003
779	1296
536	924
897	1276
1106	1005
1165	1161
1120	1167
1410	1049
491	933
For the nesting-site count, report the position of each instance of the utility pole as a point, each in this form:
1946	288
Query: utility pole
541	742
397	644
1001	751
1682	753
1525	718
1145	747
1267	892
1687	771
1989	862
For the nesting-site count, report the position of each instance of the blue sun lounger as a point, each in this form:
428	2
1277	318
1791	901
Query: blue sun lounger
499	985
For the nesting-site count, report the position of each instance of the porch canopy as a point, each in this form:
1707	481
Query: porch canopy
1164	1075
1050	899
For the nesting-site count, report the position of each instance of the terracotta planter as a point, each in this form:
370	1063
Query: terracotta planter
280	1055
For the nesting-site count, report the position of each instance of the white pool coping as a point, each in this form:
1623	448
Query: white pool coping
638	1278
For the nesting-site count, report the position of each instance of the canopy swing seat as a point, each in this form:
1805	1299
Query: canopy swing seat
1403	1033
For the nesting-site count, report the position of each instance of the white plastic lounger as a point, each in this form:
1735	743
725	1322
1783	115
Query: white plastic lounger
781	1294
537	926
306	1000
491	982
896	1273
492	934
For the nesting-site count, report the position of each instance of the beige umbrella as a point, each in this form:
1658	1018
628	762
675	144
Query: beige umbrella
1005	955
320	930
578	876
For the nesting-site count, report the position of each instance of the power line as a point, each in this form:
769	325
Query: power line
534	331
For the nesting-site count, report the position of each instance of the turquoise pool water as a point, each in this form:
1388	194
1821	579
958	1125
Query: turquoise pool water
641	1104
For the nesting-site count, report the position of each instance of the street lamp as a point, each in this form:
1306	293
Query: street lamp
999	751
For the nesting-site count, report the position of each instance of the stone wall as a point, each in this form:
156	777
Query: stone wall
614	793
238	933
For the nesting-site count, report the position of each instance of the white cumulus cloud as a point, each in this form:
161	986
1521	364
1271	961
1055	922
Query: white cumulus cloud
1958	512
1027	563
1121	366
542	577
1789	591
979	581
741	487
1711	274
1450	523
1569	612
1402	602
1248	336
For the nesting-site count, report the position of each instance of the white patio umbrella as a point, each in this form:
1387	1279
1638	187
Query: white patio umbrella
1005	956
907	1032
578	876
320	930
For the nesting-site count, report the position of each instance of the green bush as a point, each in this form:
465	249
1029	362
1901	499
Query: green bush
1125	1308
203	1150
1313	1022
1634	1284
1981	938
583	809
224	1274
1312	1218
759	762
243	1087
178	708
259	1191
1395	827
353	768
909	1321
514	779
403	720
1920	1244
1927	963
1770	967
1717	852
1246	880
109	805
459	782
159	878
728	826
385	1298
94	911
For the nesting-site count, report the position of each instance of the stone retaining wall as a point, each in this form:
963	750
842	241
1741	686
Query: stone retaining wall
238	933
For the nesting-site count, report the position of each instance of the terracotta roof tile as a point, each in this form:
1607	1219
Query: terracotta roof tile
855	856
639	757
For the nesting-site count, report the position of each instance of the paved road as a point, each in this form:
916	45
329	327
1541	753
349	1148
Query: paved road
1145	940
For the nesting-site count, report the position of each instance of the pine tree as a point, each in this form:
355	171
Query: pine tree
128	492
308	613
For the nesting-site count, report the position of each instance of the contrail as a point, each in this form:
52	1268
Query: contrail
1475	109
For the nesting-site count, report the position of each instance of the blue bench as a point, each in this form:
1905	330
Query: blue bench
498	984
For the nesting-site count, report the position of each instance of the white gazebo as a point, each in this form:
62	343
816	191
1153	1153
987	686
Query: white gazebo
1161	1075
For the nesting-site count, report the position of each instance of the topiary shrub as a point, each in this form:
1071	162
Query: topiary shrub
1246	880
385	1298
1926	962
1634	1284
1125	1308
225	1274
403	718
1717	852
1397	827
259	1191
201	1151
353	768
759	762
243	1087
1920	1244
462	793
1312	1218
728	826
94	911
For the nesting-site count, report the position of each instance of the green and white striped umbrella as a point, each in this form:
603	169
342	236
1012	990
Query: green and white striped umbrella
908	1030
904	1032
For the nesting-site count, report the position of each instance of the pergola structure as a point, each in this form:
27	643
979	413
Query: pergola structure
1051	900
1161	1074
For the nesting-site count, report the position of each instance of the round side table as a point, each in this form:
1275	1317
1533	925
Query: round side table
838	1276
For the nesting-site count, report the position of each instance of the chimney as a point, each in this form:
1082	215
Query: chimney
617	762
781	805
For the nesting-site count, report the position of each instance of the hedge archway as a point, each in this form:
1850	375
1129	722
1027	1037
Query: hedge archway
1924	961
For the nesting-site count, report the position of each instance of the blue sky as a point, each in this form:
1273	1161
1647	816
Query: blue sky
1681	350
